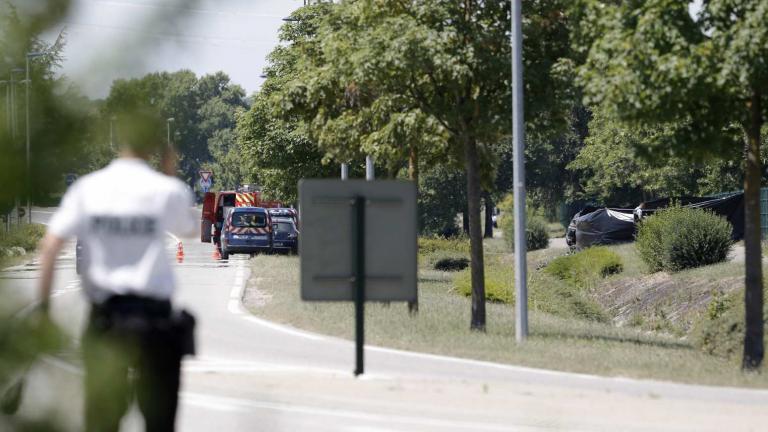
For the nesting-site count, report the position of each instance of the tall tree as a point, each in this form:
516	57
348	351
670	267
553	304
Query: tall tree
433	70
650	62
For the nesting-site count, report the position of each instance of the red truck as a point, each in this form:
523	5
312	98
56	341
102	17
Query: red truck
214	205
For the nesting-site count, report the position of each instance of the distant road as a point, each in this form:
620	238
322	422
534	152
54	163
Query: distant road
253	375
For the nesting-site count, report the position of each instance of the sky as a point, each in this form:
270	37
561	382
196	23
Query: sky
110	39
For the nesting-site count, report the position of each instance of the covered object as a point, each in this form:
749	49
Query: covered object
599	226
731	207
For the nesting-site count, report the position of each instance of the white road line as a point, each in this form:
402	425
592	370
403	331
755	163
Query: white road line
235	306
237	404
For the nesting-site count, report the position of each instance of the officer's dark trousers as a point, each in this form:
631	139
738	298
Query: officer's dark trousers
128	351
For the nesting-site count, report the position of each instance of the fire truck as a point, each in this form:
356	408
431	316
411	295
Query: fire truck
215	205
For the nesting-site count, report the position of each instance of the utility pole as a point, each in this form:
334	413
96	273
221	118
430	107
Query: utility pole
29	174
344	171
521	266
168	124
112	133
369	174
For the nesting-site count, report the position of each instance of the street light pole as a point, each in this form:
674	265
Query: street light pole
7	84
369	173
168	123
344	171
29	174
112	133
521	276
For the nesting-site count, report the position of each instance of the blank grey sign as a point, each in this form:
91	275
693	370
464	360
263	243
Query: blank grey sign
326	245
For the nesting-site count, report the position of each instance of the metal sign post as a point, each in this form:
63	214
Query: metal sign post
359	207
358	243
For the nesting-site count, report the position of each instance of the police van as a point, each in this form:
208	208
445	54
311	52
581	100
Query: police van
216	205
246	230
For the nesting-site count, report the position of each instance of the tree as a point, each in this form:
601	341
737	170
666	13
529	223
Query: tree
705	77
276	153
204	113
431	75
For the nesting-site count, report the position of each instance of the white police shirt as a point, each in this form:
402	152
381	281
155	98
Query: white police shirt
122	215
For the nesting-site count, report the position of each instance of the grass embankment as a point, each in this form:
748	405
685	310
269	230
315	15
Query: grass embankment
18	243
572	329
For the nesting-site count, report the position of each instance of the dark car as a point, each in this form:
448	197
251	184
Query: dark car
285	236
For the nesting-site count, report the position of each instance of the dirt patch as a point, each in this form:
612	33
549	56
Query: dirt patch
254	296
661	301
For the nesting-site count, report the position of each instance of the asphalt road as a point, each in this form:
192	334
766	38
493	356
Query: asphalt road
252	375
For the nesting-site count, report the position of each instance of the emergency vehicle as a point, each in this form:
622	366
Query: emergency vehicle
246	230
214	208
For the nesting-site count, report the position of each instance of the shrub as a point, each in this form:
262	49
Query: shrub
545	293
498	282
679	238
536	230
720	330
451	264
585	267
25	236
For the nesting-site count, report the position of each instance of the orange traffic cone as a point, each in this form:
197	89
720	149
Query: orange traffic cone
180	253
216	252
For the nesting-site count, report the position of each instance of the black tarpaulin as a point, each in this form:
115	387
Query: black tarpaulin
600	226
730	207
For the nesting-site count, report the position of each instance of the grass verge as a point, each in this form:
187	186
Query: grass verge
557	341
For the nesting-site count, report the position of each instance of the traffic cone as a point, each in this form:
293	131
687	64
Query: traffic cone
180	253
216	252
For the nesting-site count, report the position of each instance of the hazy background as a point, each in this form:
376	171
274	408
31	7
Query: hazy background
109	39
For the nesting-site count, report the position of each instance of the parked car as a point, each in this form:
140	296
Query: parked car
285	235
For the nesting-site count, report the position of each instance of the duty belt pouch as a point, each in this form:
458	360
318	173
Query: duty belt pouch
183	325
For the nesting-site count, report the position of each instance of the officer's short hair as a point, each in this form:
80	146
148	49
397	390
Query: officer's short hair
141	131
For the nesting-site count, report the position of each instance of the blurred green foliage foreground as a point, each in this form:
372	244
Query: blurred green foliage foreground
55	135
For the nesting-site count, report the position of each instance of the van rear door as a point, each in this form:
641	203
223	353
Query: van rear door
209	216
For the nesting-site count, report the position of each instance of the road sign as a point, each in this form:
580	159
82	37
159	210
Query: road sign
358	243
327	239
205	184
205	175
70	178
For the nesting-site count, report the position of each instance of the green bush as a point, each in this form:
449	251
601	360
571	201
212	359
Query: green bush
545	293
585	267
536	230
498	282
720	330
679	238
26	236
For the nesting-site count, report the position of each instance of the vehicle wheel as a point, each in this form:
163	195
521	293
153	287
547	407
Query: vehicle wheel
295	250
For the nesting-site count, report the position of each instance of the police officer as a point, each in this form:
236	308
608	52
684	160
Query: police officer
121	214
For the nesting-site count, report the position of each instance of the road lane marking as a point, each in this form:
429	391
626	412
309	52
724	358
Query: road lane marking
235	404
235	306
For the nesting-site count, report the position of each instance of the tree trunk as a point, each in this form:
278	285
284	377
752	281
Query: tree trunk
488	229
413	174
475	234
753	298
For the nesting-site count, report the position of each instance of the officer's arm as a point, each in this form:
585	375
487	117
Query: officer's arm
50	247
